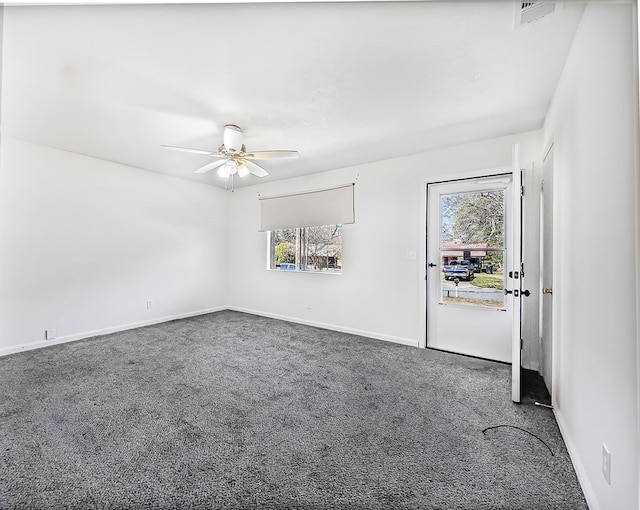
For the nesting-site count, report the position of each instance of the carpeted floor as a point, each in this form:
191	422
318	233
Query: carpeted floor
230	410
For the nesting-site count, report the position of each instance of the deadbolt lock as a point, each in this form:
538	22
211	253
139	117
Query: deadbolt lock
547	291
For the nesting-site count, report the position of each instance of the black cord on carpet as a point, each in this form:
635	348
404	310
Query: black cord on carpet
523	430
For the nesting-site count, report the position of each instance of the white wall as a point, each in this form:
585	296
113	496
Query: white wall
84	243
379	293
591	122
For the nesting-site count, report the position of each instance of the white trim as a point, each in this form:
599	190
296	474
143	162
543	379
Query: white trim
300	271
422	266
332	327
578	466
556	286
105	331
636	77
5	351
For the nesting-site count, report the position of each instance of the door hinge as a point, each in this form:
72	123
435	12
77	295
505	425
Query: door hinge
521	344
521	191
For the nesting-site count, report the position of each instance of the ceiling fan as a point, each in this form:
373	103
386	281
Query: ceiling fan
233	156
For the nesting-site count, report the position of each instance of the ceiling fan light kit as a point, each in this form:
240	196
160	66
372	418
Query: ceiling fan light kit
234	156
230	167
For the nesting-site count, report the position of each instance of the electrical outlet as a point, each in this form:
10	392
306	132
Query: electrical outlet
149	303
606	463
50	334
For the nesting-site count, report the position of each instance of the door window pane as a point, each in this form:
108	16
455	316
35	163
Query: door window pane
472	248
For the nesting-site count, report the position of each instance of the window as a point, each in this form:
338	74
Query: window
312	249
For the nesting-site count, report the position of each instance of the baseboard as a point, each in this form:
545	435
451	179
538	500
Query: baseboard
578	466
124	327
105	331
352	331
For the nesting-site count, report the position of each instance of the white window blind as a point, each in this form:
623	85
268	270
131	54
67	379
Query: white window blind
329	206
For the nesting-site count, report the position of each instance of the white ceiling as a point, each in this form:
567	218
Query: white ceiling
342	83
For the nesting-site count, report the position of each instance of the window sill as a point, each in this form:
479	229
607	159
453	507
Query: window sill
297	271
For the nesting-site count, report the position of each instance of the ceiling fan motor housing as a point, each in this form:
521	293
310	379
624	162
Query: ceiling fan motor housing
232	138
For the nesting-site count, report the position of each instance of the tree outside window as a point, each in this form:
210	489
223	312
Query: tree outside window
313	249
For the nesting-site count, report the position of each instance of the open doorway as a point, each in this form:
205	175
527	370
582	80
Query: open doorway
473	233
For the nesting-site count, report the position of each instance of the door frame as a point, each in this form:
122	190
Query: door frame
555	313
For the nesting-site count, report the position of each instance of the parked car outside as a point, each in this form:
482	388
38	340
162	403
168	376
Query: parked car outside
462	270
476	263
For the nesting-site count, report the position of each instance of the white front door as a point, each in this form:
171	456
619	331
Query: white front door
473	245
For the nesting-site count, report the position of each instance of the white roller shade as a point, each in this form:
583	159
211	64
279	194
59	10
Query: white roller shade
330	206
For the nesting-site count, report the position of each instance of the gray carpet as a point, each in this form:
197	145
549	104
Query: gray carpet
230	410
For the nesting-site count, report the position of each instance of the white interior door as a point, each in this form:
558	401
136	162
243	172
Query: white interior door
514	279
470	224
546	273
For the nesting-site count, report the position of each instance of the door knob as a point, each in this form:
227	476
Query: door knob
547	291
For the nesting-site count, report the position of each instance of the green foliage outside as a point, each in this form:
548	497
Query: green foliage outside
489	281
470	218
285	253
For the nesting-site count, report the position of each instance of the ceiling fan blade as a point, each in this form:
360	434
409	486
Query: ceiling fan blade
271	155
256	170
185	149
210	166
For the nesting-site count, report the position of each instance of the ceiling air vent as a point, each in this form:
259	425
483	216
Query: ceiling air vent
530	12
